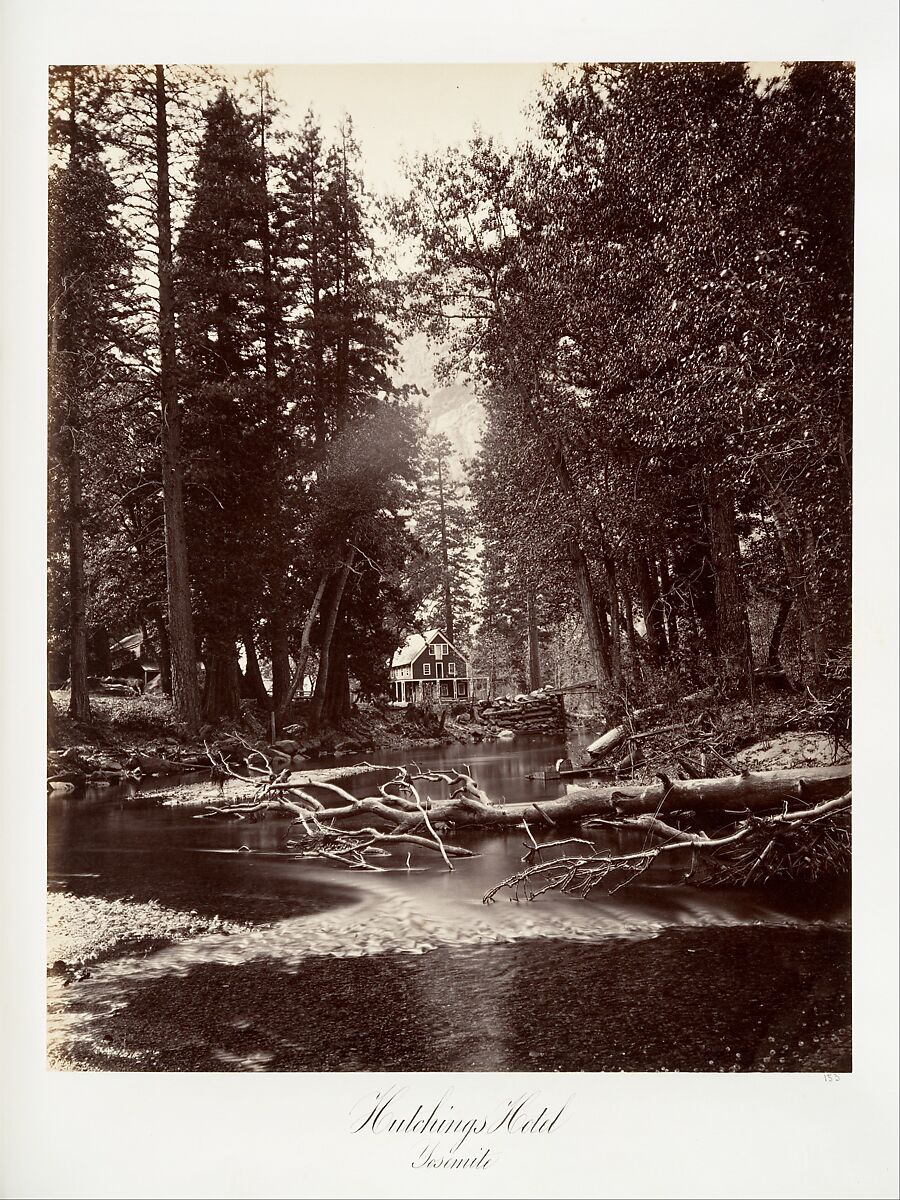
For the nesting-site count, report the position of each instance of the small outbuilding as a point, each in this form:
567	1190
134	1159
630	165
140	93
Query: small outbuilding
132	658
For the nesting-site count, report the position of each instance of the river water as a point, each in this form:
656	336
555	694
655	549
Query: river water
409	970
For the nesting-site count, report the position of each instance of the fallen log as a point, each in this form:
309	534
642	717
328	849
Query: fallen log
153	764
615	736
755	791
804	846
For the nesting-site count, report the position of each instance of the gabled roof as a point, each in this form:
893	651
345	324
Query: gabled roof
130	644
129	648
412	648
416	643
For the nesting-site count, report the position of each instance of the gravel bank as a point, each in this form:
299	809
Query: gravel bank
85	929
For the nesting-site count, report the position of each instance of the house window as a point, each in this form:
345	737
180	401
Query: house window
451	668
426	668
439	649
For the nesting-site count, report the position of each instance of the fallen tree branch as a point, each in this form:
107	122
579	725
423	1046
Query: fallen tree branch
599	748
273	790
803	845
777	801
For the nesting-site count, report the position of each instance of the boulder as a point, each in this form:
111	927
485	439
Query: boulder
506	735
346	745
288	746
76	778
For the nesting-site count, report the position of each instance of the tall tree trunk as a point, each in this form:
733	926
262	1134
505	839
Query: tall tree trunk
79	702
336	699
318	700
615	628
798	548
445	557
731	603
670	608
253	674
222	694
181	623
303	654
165	657
278	649
534	648
64	384
784	609
597	633
653	618
99	653
52	721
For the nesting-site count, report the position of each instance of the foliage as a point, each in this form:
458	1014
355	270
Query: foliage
653	299
441	577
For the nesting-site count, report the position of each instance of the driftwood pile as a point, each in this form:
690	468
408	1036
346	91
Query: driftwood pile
729	826
744	828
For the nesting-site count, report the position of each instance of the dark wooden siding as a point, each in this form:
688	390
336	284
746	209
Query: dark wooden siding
450	655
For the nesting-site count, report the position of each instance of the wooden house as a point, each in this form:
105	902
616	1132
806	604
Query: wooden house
429	668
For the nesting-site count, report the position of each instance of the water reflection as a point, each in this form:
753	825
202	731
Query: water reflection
118	843
501	986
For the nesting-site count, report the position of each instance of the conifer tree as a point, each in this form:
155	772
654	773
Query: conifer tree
229	422
443	576
90	284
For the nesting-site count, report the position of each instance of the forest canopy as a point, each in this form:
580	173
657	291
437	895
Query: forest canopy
651	298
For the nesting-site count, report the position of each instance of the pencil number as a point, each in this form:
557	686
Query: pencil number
831	1077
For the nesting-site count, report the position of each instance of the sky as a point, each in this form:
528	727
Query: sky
409	108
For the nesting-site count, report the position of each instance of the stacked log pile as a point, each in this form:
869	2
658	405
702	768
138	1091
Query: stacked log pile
539	712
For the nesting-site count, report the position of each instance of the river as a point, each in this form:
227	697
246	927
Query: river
409	970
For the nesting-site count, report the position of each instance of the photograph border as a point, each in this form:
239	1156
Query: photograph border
80	1134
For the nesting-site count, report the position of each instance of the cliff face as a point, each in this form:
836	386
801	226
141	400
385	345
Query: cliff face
454	410
457	412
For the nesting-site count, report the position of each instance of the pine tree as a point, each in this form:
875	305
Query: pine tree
229	420
443	577
151	124
300	249
89	289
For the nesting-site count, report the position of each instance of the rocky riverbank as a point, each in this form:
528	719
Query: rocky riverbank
133	737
